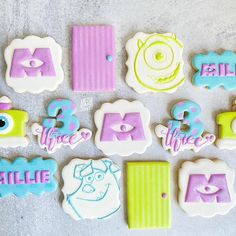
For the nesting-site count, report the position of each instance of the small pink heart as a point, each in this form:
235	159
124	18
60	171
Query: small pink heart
85	135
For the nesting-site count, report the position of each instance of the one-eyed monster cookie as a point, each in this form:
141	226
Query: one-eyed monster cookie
206	188
154	63
91	188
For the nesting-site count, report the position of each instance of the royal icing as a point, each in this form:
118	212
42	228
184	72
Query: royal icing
149	195
12	125
122	128
206	188
33	64
227	129
91	188
93	58
154	63
22	177
51	135
215	70
185	131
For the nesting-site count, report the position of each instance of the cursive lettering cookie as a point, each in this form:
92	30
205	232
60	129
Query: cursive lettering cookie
122	128
22	177
206	188
12	125
33	64
185	131
155	63
52	135
215	70
91	188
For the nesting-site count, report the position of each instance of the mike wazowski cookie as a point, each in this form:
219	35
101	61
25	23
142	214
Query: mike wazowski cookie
185	131
91	188
206	188
155	63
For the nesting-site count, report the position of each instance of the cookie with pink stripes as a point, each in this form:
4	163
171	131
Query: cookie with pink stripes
185	131
93	58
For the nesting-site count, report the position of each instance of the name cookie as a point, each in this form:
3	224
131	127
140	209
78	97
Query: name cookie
122	128
12	125
155	63
227	129
206	188
91	188
51	136
33	64
215	70
22	177
185	131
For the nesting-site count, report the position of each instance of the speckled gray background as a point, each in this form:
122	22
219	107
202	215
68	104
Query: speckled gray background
201	25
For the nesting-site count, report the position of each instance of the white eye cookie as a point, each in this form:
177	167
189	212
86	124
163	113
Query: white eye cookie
122	128
91	188
155	63
206	188
33	64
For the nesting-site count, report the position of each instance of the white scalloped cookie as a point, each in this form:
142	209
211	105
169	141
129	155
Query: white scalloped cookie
155	63
206	188
33	64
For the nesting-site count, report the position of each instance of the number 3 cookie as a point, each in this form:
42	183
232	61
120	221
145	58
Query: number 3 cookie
185	131
51	136
155	63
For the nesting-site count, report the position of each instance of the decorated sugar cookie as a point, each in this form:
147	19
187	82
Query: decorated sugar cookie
122	128
185	131
93	58
22	177
215	70
206	188
227	129
33	64
51	135
12	125
149	195
155	63
91	188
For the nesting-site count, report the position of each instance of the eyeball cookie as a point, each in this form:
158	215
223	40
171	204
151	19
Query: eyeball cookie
33	64
185	131
51	135
155	63
206	188
12	125
91	188
122	128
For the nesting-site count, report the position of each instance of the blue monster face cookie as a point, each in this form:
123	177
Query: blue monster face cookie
215	70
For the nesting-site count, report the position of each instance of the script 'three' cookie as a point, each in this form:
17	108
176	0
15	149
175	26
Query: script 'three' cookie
155	63
206	188
149	196
185	131
122	128
91	188
33	64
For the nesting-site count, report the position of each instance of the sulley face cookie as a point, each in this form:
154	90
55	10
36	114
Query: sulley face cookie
185	131
91	188
155	63
227	129
33	64
22	177
206	188
122	128
12	125
51	135
215	70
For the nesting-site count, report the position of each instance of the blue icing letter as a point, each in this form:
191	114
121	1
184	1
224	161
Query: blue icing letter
22	176
214	70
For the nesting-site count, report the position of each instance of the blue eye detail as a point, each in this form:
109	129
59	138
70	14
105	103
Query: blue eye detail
34	63
89	178
99	176
6	123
